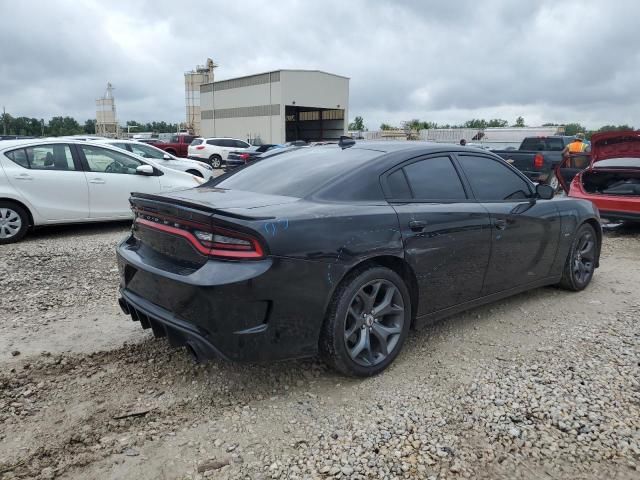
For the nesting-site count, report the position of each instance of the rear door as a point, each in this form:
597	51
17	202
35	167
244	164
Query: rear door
51	180
446	234
111	178
525	230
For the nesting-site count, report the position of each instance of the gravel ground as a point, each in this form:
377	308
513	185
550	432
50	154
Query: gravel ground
544	385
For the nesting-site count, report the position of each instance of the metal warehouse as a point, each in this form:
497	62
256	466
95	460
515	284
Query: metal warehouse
276	107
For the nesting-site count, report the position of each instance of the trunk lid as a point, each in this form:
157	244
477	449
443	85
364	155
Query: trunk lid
219	199
615	145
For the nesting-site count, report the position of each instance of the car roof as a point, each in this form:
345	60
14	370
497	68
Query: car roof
408	146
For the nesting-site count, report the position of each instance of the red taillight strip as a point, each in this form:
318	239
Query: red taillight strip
215	252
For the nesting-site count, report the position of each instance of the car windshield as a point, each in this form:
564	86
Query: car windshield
298	173
618	163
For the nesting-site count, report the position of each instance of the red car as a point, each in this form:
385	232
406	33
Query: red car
609	176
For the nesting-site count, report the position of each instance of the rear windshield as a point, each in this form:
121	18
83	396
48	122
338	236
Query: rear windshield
298	173
196	141
542	144
618	163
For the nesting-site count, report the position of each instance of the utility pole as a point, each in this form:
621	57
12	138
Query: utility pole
4	121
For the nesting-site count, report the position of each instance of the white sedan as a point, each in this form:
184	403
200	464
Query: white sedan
53	181
194	167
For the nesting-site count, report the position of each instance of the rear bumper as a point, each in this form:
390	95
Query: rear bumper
613	215
252	311
165	324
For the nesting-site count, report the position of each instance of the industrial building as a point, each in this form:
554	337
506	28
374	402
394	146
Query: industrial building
276	107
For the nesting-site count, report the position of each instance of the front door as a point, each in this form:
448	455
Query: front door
112	176
446	235
51	181
525	231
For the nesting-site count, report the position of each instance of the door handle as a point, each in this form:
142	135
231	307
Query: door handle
97	180
500	224
24	176
417	225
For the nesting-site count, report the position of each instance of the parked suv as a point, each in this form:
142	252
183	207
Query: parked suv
214	150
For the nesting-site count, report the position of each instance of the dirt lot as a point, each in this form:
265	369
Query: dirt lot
543	385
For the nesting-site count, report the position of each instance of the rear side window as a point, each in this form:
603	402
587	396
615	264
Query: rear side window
493	181
542	144
19	157
44	157
398	186
307	169
227	143
435	178
217	143
196	141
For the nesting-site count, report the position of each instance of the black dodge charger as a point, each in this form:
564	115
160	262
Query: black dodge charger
339	250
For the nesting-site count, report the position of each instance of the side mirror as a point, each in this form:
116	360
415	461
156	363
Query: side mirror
166	156
544	192
145	170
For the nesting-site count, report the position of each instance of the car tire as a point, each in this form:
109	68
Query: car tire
14	222
581	260
195	173
357	341
553	182
215	161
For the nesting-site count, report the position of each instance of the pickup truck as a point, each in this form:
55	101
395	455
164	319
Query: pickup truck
538	157
177	145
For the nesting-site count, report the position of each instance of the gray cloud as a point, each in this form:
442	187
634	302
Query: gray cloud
438	61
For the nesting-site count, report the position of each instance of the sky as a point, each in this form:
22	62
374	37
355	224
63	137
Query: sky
446	62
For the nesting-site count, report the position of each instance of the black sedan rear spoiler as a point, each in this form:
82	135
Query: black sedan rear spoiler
181	208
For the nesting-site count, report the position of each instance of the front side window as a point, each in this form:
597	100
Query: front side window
435	178
44	157
493	181
102	160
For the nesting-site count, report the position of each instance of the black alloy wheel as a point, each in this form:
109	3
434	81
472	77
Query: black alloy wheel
367	322
374	322
581	261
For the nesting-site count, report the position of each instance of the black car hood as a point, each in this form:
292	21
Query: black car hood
223	199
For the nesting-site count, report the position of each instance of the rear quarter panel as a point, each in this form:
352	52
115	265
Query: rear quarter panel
573	213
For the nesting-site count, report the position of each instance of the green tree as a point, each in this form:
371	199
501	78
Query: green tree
90	126
497	122
573	128
357	124
386	126
61	126
519	122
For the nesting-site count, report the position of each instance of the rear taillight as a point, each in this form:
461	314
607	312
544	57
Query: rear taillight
538	161
208	240
245	157
200	147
